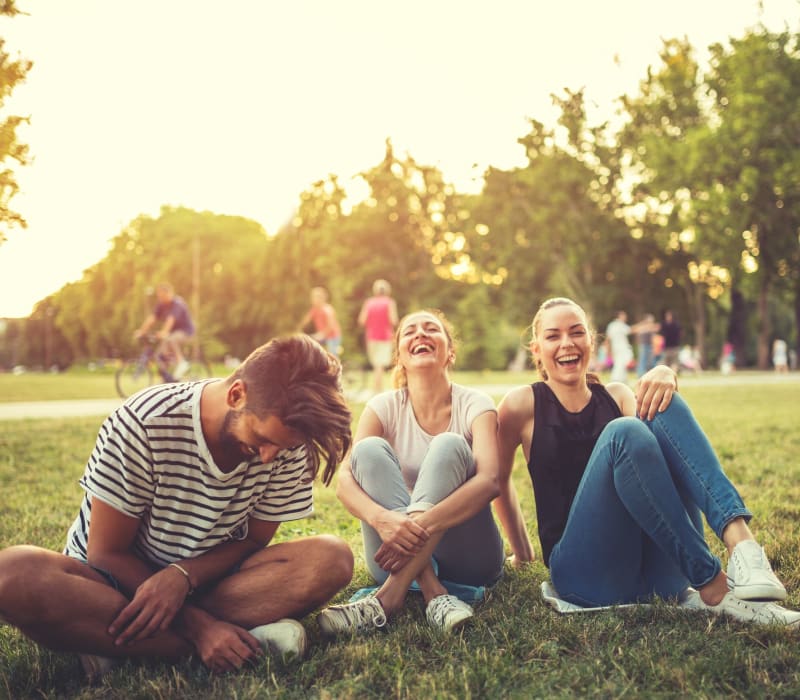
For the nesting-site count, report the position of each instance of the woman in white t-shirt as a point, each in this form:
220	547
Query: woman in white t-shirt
421	478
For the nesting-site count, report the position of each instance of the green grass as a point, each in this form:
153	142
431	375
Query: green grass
516	648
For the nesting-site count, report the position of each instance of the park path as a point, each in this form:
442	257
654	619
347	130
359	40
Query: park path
102	407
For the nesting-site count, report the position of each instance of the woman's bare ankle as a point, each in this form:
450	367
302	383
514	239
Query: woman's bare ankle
715	590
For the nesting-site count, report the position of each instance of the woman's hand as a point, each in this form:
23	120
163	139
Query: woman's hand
654	391
401	536
400	533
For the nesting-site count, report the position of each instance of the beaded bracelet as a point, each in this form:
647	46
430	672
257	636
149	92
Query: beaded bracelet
186	574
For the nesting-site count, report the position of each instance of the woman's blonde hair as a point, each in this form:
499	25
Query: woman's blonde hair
536	329
399	378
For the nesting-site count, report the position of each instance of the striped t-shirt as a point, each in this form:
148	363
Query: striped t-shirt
151	462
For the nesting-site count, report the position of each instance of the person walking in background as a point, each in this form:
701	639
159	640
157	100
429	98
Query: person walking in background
617	333
378	316
172	312
621	481
645	330
421	478
780	355
671	330
326	325
171	552
727	361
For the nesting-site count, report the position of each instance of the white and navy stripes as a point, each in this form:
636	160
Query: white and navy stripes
151	462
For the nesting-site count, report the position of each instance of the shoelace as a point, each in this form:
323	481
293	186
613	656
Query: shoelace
370	612
441	608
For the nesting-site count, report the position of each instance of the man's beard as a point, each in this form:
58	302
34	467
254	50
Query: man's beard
230	447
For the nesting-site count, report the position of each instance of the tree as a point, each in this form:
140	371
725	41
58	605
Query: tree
755	180
12	152
716	167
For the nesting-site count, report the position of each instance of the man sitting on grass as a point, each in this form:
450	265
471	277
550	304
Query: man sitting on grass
184	490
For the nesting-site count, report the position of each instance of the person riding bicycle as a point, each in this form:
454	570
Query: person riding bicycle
176	327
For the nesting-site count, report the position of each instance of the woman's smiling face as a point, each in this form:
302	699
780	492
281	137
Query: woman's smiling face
422	340
563	343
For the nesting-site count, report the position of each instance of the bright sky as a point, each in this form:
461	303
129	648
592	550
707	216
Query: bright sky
238	106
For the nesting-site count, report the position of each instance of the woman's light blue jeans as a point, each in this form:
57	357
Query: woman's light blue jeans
469	553
635	528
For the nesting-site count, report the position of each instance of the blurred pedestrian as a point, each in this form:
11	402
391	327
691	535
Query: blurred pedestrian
780	356
378	316
645	330
727	363
617	333
326	325
671	330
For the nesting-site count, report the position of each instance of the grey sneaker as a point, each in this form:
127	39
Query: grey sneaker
446	612
760	613
751	575
95	667
285	638
360	616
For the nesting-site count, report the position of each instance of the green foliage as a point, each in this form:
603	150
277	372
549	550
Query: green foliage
12	152
517	647
690	201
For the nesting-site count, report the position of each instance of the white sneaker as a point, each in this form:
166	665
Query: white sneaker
95	667
446	612
286	638
751	575
360	616
760	613
181	369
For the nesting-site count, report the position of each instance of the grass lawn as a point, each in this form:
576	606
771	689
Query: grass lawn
517	647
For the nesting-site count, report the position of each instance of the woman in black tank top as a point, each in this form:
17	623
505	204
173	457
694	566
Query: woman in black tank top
620	498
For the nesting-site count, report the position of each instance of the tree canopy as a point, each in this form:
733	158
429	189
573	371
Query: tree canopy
690	200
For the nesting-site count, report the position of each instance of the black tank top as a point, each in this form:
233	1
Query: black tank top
560	448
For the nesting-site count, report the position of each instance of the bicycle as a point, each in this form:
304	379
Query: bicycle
150	367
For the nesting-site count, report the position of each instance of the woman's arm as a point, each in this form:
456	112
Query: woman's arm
515	417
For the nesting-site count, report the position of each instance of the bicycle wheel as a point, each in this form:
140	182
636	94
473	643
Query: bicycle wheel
132	376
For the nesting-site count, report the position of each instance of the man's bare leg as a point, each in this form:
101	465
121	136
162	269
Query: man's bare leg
66	605
289	579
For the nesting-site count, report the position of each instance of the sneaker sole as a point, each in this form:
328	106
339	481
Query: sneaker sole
460	624
759	592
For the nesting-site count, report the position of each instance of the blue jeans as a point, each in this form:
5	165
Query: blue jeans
470	552
635	528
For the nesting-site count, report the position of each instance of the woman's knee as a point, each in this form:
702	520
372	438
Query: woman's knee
626	431
452	448
451	442
370	455
629	436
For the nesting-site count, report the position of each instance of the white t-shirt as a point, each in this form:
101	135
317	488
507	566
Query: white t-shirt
617	333
151	462
409	441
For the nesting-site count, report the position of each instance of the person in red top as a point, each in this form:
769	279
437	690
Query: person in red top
326	325
378	315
